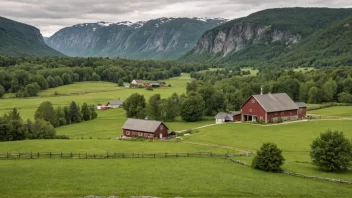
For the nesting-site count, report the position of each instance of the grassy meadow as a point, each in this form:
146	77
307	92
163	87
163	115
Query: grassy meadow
339	111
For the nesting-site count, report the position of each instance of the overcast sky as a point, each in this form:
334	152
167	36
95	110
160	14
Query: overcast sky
51	15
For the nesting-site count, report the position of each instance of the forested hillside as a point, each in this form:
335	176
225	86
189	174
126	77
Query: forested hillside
163	38
261	38
18	39
26	76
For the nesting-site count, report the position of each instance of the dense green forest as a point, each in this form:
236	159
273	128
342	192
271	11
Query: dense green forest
226	90
289	37
26	76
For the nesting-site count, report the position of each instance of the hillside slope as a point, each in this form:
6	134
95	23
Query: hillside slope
18	39
263	36
164	38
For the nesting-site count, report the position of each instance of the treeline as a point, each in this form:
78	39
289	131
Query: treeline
13	128
47	118
26	76
190	107
61	116
315	86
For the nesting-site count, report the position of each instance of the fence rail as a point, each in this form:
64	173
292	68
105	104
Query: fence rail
65	155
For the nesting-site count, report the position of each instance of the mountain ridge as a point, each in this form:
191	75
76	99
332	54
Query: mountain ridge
20	39
162	38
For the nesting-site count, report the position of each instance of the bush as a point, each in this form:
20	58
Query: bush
149	88
279	120
268	158
62	137
332	151
168	85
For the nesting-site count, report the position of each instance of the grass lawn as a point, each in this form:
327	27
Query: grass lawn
191	177
342	111
294	139
304	69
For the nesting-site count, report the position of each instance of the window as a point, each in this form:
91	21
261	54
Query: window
253	101
145	135
127	132
261	118
250	110
161	127
140	134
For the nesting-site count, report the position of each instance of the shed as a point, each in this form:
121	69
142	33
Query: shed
114	104
302	111
144	128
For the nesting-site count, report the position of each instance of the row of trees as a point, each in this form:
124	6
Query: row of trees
26	76
66	115
190	107
331	152
13	128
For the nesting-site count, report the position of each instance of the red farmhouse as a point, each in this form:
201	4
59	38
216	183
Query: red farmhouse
144	129
302	109
270	107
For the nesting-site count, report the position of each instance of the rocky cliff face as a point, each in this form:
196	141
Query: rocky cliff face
242	35
164	38
19	39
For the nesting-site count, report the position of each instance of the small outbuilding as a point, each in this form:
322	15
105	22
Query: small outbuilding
227	117
144	129
137	83
302	111
114	104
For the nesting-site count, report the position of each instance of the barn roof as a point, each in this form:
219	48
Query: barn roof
301	104
139	81
275	102
142	125
116	102
233	113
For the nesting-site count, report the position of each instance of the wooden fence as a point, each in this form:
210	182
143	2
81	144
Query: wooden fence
62	155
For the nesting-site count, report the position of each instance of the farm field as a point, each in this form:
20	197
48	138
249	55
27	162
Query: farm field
294	139
340	111
110	91
191	177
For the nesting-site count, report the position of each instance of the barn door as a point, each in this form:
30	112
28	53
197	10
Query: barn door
161	135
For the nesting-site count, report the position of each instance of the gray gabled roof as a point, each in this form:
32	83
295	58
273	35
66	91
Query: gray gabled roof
223	115
115	102
142	125
275	102
301	104
233	113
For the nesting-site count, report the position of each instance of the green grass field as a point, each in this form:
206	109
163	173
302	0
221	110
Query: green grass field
253	71
304	69
191	177
294	139
340	111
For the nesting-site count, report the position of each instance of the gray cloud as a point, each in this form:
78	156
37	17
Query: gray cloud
51	15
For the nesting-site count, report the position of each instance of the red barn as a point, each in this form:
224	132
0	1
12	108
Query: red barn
144	129
302	111
269	108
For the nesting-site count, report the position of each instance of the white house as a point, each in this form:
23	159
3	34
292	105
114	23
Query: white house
115	104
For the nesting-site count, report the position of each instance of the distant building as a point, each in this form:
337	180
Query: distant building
227	117
137	83
269	108
114	104
302	111
144	129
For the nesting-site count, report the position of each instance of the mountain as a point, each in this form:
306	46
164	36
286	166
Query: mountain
18	39
163	38
266	36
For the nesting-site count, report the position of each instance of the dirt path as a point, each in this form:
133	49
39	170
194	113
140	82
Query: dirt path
218	146
197	128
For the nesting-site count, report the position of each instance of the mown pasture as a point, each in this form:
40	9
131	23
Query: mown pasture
339	111
293	138
185	177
